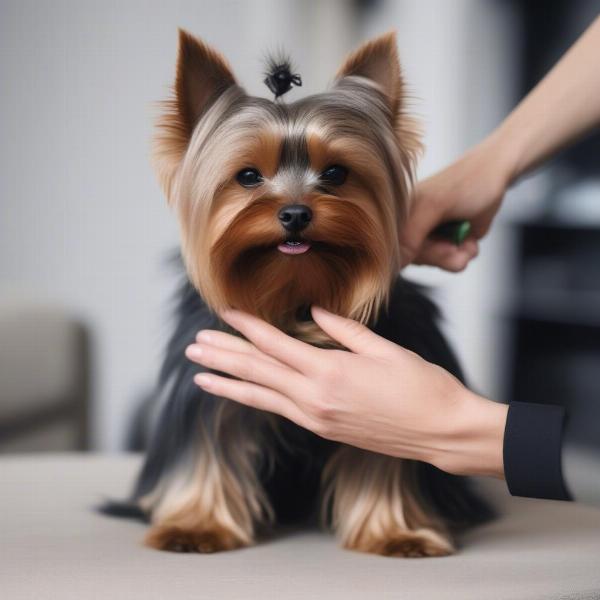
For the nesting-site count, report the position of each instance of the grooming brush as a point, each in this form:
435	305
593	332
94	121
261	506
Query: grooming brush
453	231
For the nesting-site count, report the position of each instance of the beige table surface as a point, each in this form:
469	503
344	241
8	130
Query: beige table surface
53	546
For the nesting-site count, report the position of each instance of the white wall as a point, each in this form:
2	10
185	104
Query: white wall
82	221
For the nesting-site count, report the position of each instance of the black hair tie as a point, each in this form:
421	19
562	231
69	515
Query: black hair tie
279	77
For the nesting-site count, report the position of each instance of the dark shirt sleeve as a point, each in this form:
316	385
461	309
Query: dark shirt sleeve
533	451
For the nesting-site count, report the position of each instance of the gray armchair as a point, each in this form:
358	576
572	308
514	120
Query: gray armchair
44	378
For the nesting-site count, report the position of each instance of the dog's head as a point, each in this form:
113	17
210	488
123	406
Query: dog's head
286	205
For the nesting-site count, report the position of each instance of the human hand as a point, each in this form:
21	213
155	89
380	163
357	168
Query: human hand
377	396
470	189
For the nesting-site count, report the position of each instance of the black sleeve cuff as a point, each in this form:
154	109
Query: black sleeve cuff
533	449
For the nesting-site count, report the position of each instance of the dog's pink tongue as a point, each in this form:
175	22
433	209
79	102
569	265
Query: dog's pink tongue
293	249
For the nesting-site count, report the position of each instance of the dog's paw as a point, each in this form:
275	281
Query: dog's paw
203	541
407	544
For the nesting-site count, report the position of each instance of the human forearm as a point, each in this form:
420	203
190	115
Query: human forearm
561	108
471	442
521	442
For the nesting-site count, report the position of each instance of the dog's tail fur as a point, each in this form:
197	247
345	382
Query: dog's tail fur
122	510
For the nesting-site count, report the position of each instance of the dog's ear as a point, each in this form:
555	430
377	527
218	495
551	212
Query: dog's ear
377	60
202	76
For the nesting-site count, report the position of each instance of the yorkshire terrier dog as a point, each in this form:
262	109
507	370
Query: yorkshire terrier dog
283	205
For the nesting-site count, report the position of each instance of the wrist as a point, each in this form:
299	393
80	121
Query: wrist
500	154
473	440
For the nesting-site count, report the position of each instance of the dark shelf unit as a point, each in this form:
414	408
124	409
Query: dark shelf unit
554	354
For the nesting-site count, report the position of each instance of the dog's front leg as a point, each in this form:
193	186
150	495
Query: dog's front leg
372	504
213	500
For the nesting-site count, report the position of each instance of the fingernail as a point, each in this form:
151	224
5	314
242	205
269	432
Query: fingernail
203	336
193	351
202	380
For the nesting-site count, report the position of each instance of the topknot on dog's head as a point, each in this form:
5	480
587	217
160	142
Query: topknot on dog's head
279	77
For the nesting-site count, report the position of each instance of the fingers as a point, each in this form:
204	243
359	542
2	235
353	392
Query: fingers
351	334
253	395
273	342
447	255
423	217
245	366
227	341
413	237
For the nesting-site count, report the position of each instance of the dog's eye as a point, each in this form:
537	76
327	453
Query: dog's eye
249	177
334	175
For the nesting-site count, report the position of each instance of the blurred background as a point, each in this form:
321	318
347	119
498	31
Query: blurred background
85	233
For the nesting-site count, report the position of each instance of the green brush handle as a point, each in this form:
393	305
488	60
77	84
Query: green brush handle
453	231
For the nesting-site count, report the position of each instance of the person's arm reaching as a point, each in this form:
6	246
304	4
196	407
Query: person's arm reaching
560	109
384	398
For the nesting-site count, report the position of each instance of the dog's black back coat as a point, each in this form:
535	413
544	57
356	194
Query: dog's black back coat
292	481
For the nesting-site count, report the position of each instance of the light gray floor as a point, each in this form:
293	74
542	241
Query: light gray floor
52	546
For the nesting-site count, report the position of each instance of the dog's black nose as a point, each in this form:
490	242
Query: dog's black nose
295	217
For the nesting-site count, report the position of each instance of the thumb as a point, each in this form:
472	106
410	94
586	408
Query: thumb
446	255
415	230
352	334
